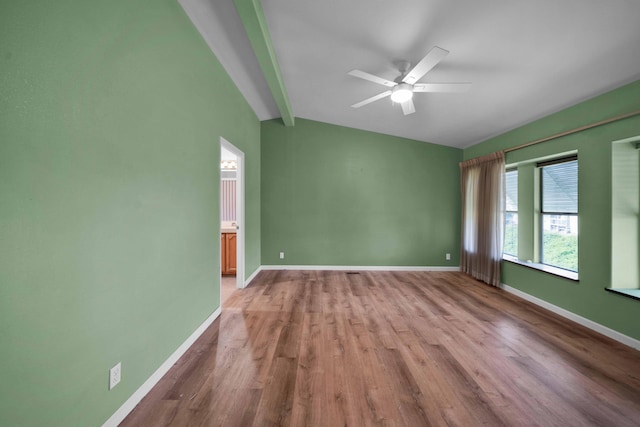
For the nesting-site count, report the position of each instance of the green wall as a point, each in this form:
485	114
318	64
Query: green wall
586	298
111	114
338	196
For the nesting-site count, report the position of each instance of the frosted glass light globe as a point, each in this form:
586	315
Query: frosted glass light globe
402	93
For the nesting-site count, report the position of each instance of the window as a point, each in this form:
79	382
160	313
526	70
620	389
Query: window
625	221
511	214
559	213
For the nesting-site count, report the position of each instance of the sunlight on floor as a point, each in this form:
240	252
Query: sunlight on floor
228	287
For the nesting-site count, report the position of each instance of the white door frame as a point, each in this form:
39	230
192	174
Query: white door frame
239	214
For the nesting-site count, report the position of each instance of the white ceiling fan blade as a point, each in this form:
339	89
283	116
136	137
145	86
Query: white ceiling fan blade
442	87
408	107
371	78
373	98
430	60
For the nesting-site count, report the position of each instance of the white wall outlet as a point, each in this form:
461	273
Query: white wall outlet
114	375
281	255
447	257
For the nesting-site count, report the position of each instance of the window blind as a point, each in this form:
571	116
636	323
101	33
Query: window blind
511	178
560	187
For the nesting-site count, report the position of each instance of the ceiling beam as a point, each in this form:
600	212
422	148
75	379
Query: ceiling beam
255	25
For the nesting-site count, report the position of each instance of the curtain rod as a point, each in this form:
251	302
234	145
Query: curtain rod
576	130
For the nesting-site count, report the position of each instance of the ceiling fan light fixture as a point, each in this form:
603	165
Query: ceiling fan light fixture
403	87
402	93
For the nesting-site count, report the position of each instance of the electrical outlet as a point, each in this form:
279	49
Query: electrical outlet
114	375
281	255
448	257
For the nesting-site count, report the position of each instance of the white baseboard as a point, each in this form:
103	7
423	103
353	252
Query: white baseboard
253	276
624	339
357	268
145	388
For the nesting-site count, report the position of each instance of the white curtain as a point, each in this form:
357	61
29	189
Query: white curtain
483	189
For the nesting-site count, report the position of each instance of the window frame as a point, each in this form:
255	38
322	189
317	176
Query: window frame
542	213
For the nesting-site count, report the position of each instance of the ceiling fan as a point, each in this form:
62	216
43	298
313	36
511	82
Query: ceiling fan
404	86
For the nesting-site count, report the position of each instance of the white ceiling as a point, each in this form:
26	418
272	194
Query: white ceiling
525	59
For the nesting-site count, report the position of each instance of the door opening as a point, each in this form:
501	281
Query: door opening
231	216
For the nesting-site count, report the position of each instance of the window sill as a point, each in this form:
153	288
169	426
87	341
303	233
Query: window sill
566	274
630	293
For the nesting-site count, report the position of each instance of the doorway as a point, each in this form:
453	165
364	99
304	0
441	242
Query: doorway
231	217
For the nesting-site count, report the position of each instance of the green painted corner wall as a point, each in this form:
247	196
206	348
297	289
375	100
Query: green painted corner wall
111	115
588	297
333	195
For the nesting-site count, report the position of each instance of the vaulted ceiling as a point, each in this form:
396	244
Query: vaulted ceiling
525	59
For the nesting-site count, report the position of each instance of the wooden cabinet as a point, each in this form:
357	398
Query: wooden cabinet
228	251
231	253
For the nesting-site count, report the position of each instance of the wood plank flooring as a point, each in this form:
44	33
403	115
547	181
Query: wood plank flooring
329	348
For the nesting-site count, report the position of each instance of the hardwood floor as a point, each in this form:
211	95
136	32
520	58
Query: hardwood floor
328	348
228	285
